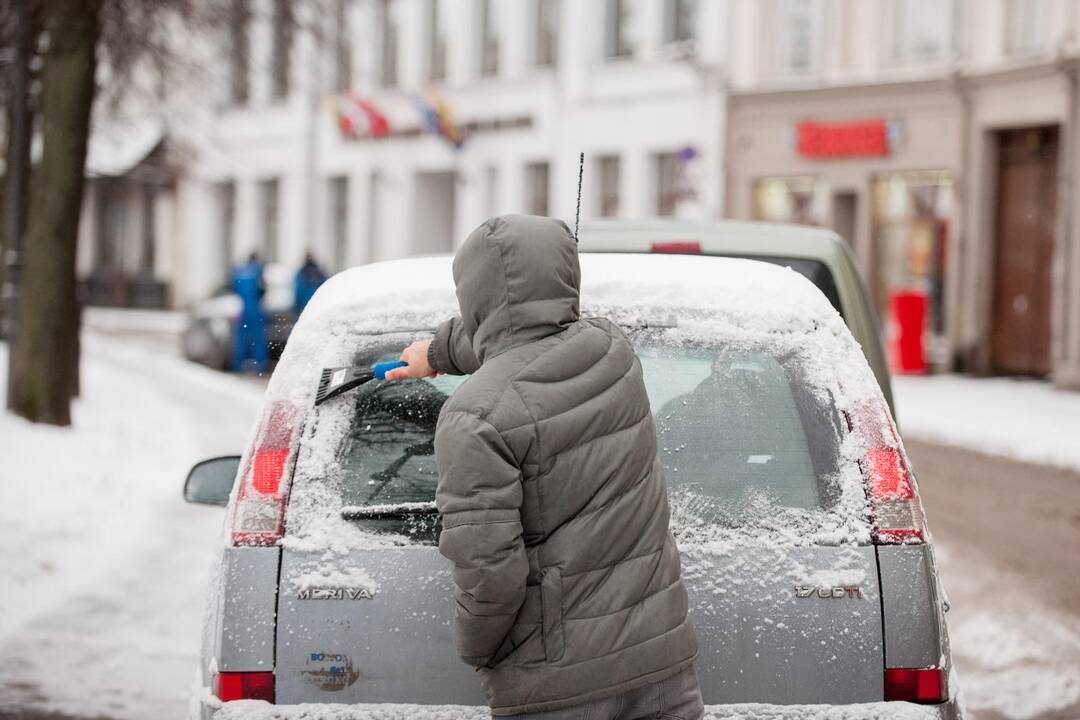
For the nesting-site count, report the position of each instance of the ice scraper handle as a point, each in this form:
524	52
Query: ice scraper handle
382	368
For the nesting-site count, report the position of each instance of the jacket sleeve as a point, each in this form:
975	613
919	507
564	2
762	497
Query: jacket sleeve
479	496
451	350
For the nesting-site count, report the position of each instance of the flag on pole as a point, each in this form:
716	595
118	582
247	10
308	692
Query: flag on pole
439	120
358	118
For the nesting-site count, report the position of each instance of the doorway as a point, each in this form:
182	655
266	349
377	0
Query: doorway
1023	250
433	213
844	206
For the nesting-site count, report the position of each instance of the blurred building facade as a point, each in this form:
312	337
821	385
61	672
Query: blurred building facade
938	136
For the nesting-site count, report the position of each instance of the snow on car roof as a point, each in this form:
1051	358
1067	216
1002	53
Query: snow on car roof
751	294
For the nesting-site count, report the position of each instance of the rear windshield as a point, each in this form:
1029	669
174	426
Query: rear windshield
740	434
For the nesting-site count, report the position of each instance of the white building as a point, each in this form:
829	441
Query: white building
531	82
938	136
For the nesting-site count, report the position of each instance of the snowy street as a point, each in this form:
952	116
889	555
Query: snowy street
105	566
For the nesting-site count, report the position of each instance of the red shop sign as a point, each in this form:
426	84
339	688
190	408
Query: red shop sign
843	139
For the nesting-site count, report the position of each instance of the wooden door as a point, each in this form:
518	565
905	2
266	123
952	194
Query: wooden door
1024	250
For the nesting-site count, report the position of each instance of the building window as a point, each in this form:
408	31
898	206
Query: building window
536	188
280	49
618	40
374	215
436	56
111	219
269	211
1027	26
489	37
149	230
924	30
342	45
667	183
796	36
239	52
491	190
608	171
547	32
388	43
680	20
800	200
912	213
225	193
338	192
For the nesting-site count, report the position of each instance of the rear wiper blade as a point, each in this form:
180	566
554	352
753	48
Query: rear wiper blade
388	511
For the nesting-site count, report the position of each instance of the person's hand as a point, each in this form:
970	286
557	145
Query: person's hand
416	355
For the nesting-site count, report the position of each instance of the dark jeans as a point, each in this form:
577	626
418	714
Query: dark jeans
677	698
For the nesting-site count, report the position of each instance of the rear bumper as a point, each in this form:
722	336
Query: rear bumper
254	710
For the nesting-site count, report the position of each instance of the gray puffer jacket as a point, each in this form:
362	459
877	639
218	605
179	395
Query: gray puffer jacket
552	496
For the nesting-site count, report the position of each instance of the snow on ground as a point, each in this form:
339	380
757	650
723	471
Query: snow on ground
105	566
1026	420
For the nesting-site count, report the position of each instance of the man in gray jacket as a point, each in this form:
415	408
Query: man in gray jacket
570	601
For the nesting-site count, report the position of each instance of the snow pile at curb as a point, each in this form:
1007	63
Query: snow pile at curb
1025	420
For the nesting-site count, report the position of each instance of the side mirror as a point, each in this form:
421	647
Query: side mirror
211	481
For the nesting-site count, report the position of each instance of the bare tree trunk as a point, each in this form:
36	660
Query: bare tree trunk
46	352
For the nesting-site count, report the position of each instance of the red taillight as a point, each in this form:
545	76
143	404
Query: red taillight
244	686
259	518
894	500
918	685
676	248
895	507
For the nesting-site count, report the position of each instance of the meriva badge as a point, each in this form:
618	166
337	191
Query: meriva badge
335	593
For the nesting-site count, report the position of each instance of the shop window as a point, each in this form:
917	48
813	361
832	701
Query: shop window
547	32
338	192
911	215
924	30
608	172
1027	26
225	196
148	254
536	188
269	208
800	200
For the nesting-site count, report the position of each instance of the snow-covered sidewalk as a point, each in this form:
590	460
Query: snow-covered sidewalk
1026	420
104	566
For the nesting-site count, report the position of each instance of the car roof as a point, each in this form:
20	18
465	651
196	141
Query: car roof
749	293
728	237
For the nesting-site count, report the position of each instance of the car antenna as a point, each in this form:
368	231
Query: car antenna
577	213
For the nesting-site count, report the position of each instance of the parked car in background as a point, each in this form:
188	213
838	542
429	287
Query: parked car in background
208	337
805	550
820	255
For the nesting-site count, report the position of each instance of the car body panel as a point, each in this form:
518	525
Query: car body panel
913	622
748	239
245	641
761	640
392	644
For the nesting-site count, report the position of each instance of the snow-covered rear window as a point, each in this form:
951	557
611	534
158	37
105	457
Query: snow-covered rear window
739	428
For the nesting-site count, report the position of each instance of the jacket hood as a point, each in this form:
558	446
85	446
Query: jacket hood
517	280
